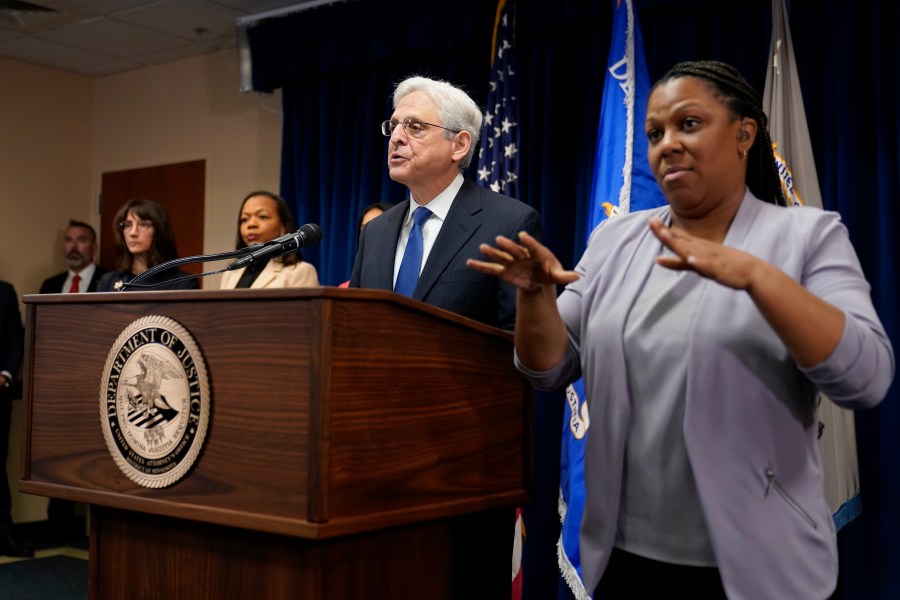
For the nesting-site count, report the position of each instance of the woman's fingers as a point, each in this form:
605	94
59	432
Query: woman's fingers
723	264
526	264
489	268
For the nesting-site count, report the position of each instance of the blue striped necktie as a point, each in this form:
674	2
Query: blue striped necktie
408	275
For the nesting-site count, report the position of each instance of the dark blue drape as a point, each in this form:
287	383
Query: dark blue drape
337	66
849	63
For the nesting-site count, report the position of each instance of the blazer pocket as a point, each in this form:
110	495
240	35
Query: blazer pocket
774	485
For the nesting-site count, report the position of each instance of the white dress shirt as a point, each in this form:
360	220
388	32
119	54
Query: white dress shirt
86	274
439	207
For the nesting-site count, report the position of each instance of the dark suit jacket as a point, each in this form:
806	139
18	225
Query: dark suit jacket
476	216
53	285
11	333
110	280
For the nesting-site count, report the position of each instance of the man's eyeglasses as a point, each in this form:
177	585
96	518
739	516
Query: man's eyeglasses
412	127
142	224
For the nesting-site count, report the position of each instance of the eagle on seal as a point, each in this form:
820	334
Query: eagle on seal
149	380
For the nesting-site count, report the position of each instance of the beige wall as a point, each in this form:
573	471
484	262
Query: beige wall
190	110
46	142
45	167
60	132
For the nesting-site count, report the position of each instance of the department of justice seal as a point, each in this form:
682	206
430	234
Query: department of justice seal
154	401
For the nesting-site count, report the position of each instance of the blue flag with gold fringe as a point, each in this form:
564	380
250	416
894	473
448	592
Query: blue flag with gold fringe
623	182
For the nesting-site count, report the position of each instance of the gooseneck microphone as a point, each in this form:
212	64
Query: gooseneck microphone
308	235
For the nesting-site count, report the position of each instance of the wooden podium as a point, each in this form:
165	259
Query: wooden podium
360	445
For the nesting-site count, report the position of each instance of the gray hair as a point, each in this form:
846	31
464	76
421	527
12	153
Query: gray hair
455	108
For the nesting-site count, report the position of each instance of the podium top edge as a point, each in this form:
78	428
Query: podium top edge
280	294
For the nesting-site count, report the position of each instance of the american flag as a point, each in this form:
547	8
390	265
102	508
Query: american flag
498	169
498	157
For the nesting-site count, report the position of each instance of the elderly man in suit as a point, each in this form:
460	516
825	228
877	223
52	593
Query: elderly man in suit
419	248
11	351
80	247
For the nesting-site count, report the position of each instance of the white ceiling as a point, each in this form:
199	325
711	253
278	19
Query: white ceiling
101	37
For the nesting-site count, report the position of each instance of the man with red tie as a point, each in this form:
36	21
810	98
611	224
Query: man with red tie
80	247
80	250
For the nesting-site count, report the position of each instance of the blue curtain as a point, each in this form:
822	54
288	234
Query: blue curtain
337	65
849	63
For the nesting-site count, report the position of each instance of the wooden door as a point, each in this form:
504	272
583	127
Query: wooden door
179	187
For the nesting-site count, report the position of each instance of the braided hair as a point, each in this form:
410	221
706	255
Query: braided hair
740	97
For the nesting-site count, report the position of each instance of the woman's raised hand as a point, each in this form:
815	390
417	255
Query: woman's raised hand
527	265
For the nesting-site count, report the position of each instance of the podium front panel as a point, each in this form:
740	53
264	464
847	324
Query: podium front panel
332	411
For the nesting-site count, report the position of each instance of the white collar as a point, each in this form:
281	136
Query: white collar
86	273
440	204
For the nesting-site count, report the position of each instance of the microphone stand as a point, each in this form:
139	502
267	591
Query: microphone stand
177	262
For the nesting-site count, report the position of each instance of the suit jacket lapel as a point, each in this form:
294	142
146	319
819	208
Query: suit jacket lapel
92	285
461	224
387	247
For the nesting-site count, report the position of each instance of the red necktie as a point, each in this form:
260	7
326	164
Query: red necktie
75	281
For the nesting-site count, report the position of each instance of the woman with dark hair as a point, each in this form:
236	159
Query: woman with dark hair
704	330
144	239
370	212
263	217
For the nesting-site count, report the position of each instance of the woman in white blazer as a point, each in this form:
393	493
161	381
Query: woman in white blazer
263	217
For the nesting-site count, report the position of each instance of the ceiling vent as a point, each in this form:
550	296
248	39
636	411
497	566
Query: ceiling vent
15	6
14	10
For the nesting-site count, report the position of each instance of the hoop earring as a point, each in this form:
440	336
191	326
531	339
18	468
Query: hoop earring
742	154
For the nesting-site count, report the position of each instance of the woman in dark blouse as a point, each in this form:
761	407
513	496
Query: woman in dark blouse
144	239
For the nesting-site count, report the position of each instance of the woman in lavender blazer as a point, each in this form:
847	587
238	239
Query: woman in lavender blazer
704	331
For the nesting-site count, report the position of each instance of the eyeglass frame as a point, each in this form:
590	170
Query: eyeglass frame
387	130
143	224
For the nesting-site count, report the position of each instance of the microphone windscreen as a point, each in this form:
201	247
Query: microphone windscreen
312	234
